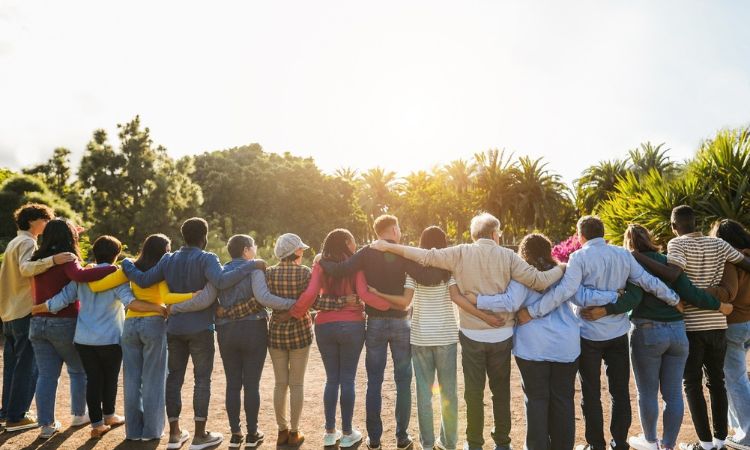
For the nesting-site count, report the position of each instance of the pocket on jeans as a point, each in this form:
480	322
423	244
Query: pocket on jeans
652	336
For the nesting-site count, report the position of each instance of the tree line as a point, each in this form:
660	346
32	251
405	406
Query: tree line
133	188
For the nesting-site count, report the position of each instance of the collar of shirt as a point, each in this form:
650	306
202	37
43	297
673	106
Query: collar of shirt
25	233
694	234
485	241
593	242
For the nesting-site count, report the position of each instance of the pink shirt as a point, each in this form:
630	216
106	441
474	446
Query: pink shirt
352	313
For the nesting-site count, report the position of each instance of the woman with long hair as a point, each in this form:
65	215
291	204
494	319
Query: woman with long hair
52	335
546	351
659	344
738	337
340	334
434	339
144	343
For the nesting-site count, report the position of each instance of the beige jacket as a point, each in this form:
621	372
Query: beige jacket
16	276
484	267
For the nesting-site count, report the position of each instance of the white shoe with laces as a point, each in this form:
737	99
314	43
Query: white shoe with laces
349	440
330	439
640	443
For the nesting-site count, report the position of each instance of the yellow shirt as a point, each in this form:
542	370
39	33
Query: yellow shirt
158	293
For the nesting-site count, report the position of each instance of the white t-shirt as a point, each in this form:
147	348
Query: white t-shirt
434	319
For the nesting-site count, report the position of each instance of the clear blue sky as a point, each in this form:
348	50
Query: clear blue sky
404	85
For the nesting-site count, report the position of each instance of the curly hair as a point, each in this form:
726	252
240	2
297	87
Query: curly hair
536	249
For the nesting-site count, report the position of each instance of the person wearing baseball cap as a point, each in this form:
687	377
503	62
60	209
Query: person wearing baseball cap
289	341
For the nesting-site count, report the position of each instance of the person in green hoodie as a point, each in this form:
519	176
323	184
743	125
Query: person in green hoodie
658	345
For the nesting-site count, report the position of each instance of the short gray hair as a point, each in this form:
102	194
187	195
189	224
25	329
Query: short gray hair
483	225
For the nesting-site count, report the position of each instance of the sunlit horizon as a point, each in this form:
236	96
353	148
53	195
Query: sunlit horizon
404	87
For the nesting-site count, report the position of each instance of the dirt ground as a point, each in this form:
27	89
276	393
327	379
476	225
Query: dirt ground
312	419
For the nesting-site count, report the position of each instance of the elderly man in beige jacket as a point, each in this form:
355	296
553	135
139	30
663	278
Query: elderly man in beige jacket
482	267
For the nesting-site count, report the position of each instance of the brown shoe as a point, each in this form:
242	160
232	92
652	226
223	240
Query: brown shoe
283	437
296	438
114	420
99	431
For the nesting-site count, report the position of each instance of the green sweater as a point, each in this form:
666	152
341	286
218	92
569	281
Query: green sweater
643	305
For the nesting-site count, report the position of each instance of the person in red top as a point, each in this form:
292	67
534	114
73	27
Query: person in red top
340	334
51	335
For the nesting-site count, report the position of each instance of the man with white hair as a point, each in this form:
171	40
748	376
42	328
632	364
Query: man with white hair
481	267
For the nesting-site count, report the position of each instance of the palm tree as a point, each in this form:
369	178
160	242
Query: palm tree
539	195
648	157
597	183
461	176
376	192
346	174
495	181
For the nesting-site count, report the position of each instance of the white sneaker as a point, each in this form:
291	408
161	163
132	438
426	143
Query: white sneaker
734	443
640	443
329	439
349	440
49	430
80	420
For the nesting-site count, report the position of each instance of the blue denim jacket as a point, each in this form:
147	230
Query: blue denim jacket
101	315
188	270
605	267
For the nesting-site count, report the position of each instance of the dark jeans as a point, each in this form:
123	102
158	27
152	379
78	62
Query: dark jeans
549	388
340	344
483	361
707	350
616	357
19	370
200	347
102	366
243	346
382	333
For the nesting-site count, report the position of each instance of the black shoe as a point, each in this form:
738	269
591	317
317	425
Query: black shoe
254	440
406	444
372	446
236	441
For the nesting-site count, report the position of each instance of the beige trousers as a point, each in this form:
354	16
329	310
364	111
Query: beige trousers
289	368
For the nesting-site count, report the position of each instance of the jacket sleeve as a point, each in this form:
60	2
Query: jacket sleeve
529	276
264	296
631	298
204	299
307	298
30	268
586	296
351	266
508	301
149	277
77	273
109	282
65	297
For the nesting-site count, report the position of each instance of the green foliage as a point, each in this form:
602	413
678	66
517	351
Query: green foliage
715	183
5	174
18	190
265	194
138	189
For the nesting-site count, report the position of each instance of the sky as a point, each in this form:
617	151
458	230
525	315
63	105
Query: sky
401	85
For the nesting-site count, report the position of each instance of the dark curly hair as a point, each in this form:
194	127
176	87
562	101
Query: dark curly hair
536	249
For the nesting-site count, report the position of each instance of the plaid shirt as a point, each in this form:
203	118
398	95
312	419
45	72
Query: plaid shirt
240	309
289	280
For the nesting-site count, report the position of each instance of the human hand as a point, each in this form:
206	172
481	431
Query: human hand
373	290
680	306
62	258
593	313
380	245
197	293
523	317
260	264
726	308
493	320
40	309
353	299
282	316
165	310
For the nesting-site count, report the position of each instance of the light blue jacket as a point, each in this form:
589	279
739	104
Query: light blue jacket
101	314
554	337
598	265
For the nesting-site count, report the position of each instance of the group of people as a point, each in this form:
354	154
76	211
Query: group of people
675	317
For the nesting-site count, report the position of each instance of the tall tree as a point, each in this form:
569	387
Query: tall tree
138	189
55	172
648	157
597	183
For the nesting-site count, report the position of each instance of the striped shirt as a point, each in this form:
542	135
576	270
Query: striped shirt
434	318
702	258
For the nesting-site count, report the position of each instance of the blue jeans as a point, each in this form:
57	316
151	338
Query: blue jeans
144	358
738	385
658	351
19	370
52	338
427	361
340	344
243	345
180	347
380	334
